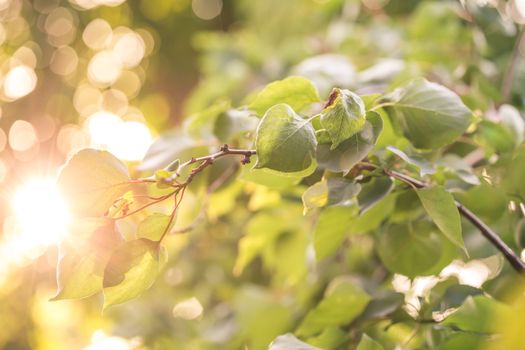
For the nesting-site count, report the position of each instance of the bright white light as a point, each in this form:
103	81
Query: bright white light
41	214
127	140
102	128
130	48
19	82
101	341
132	142
105	67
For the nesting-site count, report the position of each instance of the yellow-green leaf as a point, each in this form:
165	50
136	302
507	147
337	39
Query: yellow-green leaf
91	181
131	270
154	226
298	92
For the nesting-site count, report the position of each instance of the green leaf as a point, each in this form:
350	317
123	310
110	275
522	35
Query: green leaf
367	343
173	166
259	316
330	338
234	123
344	116
428	114
332	226
334	191
441	207
91	181
464	341
290	342
131	270
315	196
272	179
411	250
353	150
285	142
154	226
373	191
201	124
372	218
425	168
342	303
476	314
261	233
297	92
83	257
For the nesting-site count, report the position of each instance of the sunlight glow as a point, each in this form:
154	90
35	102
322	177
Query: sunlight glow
127	140
41	214
101	341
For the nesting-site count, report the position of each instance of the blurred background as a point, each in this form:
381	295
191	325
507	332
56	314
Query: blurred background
115	74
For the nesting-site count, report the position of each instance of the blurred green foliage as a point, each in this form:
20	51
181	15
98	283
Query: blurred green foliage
246	271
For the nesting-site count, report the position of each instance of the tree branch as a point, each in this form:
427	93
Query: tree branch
209	159
485	230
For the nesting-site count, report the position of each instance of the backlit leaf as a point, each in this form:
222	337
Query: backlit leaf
83	257
131	270
154	226
91	181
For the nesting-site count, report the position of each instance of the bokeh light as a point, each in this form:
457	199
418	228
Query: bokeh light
206	9
129	47
128	140
19	82
97	34
64	61
22	136
104	67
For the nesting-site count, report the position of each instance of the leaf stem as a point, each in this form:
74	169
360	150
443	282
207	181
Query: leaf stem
157	200
485	230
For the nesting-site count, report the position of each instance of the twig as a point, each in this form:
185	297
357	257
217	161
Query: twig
209	159
204	161
510	72
157	200
213	186
485	230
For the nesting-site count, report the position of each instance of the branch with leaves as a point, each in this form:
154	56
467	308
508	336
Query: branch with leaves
299	141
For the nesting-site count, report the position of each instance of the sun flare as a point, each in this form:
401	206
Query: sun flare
42	216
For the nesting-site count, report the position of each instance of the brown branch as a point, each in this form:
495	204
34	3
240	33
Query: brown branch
485	230
205	161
